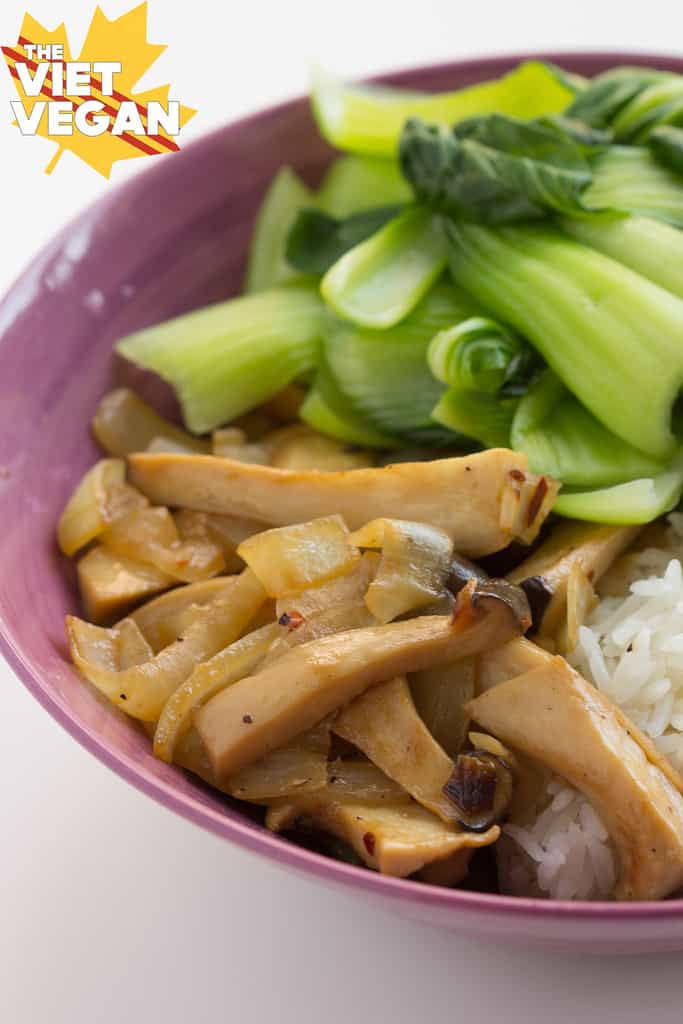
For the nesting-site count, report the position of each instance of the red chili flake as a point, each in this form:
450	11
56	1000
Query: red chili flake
369	843
518	475
293	620
537	500
247	719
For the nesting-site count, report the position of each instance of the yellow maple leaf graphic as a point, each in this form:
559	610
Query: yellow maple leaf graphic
124	39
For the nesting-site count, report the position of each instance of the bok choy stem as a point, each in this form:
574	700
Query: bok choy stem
326	409
649	247
379	281
268	266
384	375
562	439
227	358
369	119
355	183
628	178
638	501
611	336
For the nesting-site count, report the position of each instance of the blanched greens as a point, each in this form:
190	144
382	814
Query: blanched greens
607	332
384	374
369	119
495	169
501	265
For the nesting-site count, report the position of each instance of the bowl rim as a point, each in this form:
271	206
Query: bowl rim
245	833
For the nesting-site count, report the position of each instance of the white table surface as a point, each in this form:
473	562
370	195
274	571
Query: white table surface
112	909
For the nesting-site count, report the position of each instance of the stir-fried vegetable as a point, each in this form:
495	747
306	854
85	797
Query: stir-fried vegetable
365	119
268	265
647	246
482	501
415	562
384	725
379	281
341	681
293	558
88	511
225	359
142	690
604	330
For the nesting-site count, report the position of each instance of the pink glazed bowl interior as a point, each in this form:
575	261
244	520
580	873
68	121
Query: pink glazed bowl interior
172	239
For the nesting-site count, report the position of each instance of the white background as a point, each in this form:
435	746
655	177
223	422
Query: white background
111	908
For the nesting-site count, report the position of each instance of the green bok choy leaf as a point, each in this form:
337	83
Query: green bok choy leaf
564	440
650	247
379	281
384	375
497	169
317	240
613	337
369	119
638	501
225	359
268	266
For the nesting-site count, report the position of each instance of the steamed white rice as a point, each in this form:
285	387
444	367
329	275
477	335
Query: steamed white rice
565	854
631	649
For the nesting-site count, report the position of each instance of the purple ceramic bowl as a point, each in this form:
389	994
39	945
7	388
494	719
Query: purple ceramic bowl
170	240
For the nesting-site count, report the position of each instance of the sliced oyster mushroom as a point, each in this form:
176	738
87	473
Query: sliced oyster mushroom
462	496
554	716
313	680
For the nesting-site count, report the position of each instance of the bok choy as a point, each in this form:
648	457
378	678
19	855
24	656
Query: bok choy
369	119
379	281
487	367
564	440
384	374
609	334
225	359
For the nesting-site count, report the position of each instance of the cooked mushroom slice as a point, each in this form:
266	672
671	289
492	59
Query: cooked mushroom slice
111	584
207	679
413	569
440	695
291	558
315	679
520	656
162	619
480	787
124	423
449	872
396	838
300	767
142	691
462	496
384	724
508	661
593	546
556	717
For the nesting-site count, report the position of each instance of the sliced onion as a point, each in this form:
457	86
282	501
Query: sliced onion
292	558
413	569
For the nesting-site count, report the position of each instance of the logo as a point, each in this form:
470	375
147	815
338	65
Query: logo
88	105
